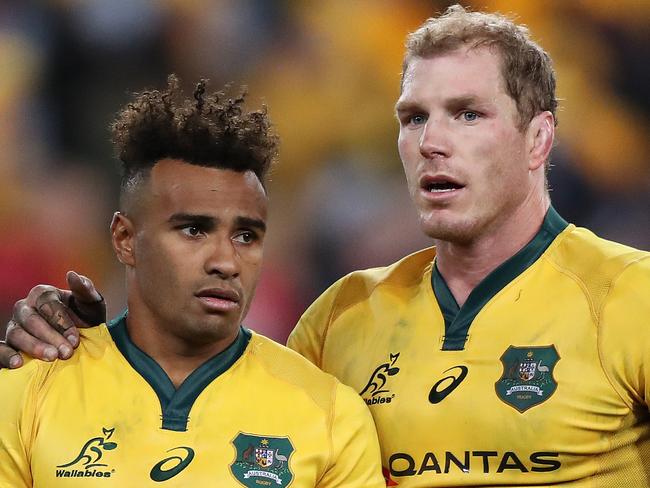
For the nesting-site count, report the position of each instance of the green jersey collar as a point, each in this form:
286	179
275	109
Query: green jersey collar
458	319
176	403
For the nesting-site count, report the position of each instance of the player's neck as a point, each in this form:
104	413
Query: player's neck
177	357
464	266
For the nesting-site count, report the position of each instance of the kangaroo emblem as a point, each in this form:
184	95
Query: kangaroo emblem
378	378
92	451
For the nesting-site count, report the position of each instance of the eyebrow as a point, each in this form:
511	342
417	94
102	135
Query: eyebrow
406	106
451	104
203	220
456	103
250	222
208	222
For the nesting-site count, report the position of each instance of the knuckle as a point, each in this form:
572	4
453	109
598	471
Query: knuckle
16	336
38	349
18	306
40	289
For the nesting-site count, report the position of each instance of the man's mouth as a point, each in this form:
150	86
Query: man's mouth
219	299
439	184
443	187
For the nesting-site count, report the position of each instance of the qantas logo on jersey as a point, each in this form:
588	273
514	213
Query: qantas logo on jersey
527	378
172	465
403	464
262	460
88	463
375	390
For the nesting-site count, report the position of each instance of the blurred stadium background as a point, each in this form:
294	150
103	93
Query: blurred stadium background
329	72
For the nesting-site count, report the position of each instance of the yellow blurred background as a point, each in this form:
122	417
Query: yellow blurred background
329	72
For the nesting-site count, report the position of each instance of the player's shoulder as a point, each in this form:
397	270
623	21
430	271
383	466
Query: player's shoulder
597	263
360	285
582	252
296	372
93	344
408	271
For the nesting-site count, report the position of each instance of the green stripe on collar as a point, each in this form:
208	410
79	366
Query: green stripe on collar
176	403
459	319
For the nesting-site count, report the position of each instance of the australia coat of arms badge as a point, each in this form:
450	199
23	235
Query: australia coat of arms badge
527	378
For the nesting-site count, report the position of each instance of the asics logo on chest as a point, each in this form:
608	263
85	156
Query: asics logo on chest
172	465
445	385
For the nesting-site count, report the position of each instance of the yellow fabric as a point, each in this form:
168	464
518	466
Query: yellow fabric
97	408
381	330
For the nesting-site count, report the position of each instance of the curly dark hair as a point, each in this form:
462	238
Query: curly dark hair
207	130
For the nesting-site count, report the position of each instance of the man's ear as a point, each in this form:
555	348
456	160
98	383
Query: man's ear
123	238
539	139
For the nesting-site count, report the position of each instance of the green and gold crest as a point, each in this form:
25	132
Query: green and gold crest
527	378
262	460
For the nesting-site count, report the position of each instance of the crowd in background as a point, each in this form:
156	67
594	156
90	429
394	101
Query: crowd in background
329	73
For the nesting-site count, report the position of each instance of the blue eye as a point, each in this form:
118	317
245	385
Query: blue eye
417	119
470	116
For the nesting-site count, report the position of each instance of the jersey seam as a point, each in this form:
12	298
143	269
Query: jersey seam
598	327
579	282
328	323
595	320
595	315
330	434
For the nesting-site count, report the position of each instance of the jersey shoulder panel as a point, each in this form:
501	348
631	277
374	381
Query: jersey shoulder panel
624	332
406	272
18	388
27	382
291	368
615	280
22	391
594	263
310	334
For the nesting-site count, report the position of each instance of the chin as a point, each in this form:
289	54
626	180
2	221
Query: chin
206	331
456	231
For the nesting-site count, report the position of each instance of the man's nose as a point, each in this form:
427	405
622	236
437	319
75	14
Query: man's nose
434	139
223	259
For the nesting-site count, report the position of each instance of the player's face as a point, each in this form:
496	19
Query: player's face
199	236
464	157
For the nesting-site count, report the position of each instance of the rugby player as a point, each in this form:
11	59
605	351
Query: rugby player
175	390
515	351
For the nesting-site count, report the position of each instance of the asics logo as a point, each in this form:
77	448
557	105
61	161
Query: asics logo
172	465
444	386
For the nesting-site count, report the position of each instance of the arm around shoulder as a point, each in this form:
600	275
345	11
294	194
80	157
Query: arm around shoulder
355	459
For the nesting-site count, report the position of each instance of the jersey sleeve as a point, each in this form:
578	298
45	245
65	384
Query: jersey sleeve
625	333
16	388
308	337
355	459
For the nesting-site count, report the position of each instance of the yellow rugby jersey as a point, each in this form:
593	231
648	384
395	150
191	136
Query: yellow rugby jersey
256	415
542	378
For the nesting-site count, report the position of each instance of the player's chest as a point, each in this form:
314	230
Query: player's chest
525	396
233	439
